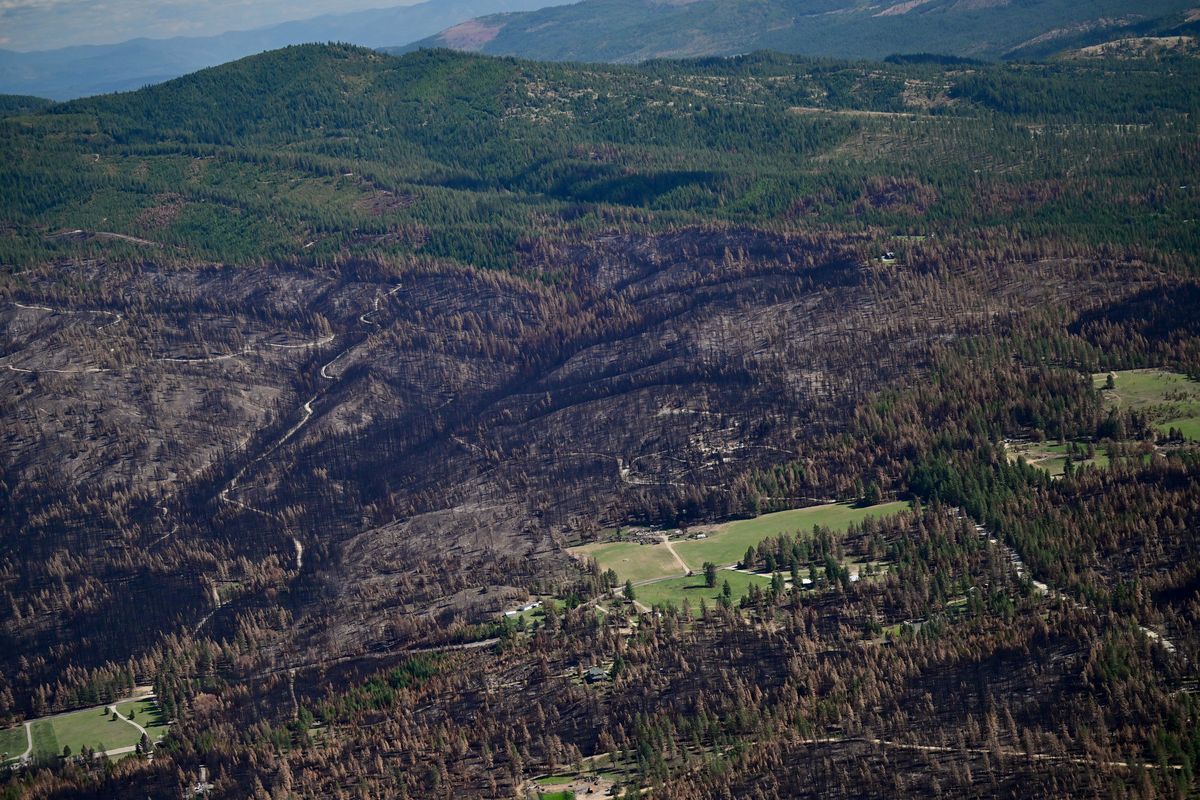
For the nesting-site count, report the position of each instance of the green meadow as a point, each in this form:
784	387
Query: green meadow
723	544
1171	400
727	544
675	590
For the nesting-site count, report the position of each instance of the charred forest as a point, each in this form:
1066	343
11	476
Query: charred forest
351	400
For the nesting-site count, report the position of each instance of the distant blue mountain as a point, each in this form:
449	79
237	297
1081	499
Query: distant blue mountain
639	30
96	69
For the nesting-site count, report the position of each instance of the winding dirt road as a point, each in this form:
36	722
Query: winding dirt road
1049	591
163	359
363	318
307	411
1016	754
131	722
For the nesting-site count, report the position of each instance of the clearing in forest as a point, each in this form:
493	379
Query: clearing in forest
727	543
631	560
693	589
723	544
1169	399
91	727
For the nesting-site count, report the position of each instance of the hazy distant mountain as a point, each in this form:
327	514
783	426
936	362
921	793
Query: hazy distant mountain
636	30
94	69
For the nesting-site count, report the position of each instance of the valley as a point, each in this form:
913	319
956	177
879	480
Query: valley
479	427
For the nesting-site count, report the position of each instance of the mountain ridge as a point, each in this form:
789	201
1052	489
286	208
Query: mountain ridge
627	31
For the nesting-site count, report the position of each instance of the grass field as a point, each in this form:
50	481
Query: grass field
45	744
675	590
724	544
633	561
1170	399
89	728
727	544
1189	425
148	715
12	743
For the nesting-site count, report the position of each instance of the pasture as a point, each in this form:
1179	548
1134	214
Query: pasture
147	714
632	561
12	743
675	590
1171	400
727	543
93	727
724	544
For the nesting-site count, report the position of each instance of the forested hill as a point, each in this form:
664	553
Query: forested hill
444	133
14	104
636	30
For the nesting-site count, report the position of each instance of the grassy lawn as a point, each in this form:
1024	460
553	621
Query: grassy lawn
555	780
728	543
45	745
556	796
1170	399
1189	425
89	728
674	590
12	743
632	561
148	715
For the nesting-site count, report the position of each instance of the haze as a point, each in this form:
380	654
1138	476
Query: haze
49	24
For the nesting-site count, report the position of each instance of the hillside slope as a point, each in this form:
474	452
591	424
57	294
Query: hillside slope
316	363
644	205
638	30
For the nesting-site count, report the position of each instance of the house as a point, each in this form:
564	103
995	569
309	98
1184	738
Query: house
595	675
527	607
